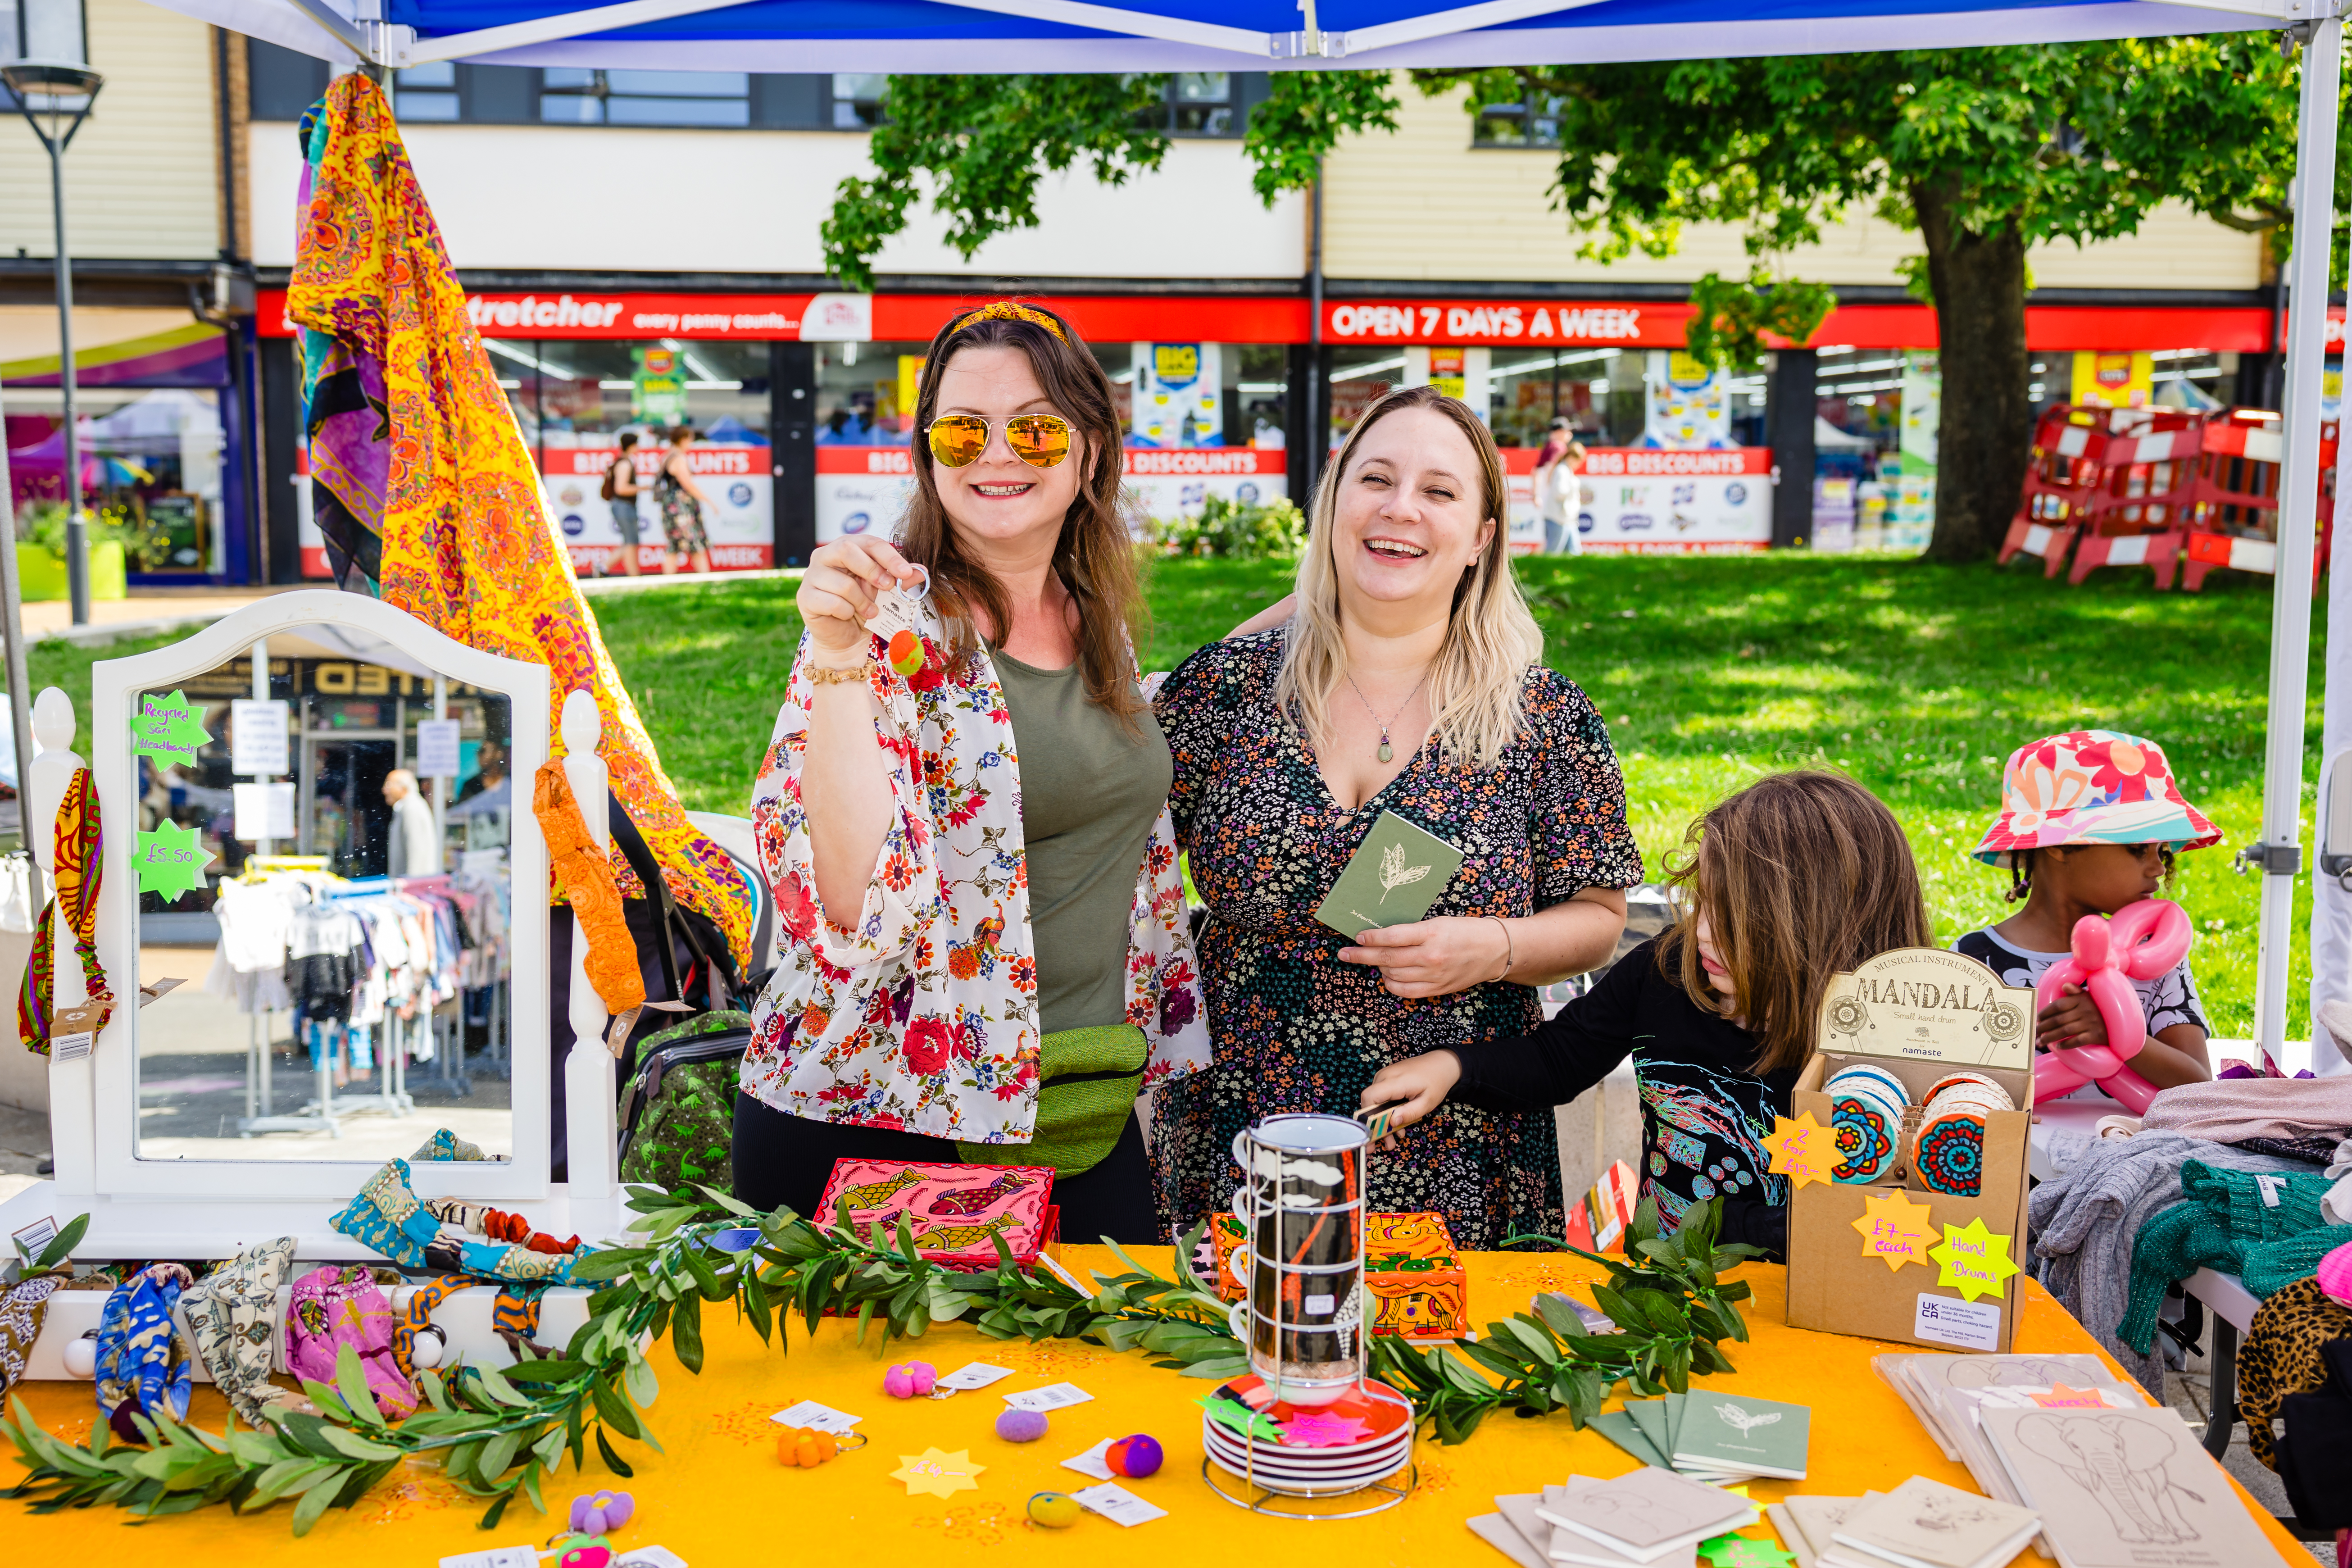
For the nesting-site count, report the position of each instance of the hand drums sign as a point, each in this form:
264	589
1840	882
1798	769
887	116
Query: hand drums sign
2140	943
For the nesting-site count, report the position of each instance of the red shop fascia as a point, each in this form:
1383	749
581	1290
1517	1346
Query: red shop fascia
1363	320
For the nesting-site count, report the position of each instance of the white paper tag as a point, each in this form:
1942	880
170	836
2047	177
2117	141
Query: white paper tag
496	1557
66	1048
2270	1184
1320	1306
1092	1462
1971	1325
979	1375
649	1557
895	609
37	1235
1053	1397
817	1417
1118	1505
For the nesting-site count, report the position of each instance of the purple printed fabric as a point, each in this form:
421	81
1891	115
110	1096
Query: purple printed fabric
334	1306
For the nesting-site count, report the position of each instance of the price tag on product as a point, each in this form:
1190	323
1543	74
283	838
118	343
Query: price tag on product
979	1375
1971	1325
1053	1397
1094	1462
895	609
496	1557
1118	1505
1894	1230
817	1417
1803	1150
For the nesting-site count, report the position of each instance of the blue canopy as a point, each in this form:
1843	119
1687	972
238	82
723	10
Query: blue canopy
919	35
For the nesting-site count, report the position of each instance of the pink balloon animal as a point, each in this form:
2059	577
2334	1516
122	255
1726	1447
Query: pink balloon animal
2140	941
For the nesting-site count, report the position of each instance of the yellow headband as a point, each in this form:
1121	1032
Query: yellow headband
1006	311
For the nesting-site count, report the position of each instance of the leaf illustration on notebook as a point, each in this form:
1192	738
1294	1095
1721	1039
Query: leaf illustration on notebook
1395	873
1744	1420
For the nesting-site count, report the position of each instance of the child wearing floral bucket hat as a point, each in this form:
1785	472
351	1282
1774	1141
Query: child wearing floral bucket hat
2090	822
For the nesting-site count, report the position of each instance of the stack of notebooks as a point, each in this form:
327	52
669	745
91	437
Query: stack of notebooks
1921	1524
1712	1436
1949	1393
1649	1519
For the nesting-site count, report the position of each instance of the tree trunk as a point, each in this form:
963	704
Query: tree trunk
1986	424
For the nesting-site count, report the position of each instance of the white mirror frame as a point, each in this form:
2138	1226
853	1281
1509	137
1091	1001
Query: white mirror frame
106	1150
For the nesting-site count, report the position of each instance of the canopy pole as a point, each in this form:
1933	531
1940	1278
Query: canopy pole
2279	854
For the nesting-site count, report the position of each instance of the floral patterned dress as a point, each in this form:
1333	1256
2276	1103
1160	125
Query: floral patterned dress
923	1017
1296	1029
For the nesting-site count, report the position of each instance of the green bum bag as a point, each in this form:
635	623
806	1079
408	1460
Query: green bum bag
1091	1079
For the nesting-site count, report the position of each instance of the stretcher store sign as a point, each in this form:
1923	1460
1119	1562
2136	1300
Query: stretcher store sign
863	490
1440	322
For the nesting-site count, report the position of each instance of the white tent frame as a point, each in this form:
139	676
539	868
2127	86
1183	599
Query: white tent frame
1457	37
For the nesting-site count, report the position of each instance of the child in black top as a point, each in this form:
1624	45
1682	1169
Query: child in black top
1797	877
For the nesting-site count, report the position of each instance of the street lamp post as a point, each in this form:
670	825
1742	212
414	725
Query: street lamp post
62	91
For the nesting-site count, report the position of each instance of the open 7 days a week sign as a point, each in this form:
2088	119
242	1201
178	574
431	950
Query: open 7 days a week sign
1897	1257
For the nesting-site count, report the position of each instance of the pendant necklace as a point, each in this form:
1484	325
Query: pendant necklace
1388	751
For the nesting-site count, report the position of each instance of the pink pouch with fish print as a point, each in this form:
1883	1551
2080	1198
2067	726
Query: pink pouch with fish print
954	1213
337	1305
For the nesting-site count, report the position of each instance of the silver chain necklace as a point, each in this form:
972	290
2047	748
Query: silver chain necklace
1388	751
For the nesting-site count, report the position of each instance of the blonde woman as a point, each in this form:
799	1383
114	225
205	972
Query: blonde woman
1406	678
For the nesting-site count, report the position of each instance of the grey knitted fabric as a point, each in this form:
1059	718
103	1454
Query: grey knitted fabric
2083	1220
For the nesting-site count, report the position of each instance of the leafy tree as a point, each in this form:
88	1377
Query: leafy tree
1981	152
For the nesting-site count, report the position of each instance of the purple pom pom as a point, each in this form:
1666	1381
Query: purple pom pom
1021	1425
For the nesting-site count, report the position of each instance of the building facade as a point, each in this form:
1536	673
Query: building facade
641	249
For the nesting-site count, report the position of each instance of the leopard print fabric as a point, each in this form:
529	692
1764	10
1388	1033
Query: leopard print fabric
2280	1357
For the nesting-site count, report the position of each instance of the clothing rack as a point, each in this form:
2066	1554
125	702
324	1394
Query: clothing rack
321	1114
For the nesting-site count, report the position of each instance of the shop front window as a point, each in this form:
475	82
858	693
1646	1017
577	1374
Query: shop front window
151	471
1528	123
574	400
1526	390
573	96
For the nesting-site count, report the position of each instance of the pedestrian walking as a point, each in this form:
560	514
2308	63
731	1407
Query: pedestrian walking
621	490
681	507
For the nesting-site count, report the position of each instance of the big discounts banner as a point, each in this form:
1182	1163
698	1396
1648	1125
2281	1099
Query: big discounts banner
1639	500
864	489
738	519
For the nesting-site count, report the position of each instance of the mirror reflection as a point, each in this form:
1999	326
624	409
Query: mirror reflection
322	862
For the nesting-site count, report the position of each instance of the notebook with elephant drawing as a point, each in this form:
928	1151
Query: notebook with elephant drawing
1393	877
2125	1488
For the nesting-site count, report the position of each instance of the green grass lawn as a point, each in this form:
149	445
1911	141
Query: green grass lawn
1916	679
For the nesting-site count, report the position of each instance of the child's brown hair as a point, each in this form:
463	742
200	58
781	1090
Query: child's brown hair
1802	875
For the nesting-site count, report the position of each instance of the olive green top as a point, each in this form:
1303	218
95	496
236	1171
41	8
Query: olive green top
1090	790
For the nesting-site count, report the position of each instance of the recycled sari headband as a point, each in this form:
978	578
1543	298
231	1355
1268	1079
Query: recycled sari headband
1007	310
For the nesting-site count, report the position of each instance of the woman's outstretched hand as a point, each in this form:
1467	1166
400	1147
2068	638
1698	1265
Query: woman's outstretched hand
837	592
1433	957
1422	1083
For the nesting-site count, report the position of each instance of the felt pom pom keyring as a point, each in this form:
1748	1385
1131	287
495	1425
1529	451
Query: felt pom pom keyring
2140	941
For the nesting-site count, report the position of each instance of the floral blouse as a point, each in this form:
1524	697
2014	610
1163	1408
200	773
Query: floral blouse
924	1018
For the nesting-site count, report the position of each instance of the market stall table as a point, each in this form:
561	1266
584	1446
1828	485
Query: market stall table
717	1496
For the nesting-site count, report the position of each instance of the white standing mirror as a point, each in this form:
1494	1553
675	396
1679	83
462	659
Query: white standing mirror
316	819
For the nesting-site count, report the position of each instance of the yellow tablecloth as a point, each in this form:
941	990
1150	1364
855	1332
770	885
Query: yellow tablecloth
718	1498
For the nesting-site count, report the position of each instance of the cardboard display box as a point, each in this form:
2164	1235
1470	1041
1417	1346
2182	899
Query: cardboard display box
1858	1258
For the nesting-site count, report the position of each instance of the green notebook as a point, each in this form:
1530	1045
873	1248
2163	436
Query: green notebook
1621	1429
1742	1436
1650	1415
1392	879
1674	1404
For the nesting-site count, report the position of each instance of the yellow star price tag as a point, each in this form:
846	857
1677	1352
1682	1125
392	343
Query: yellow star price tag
1803	1150
1895	1229
936	1474
1975	1260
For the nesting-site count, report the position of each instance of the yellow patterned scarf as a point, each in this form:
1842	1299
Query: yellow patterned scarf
466	546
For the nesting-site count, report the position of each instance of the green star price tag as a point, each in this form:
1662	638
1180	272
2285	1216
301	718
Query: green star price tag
167	729
170	861
1744	1551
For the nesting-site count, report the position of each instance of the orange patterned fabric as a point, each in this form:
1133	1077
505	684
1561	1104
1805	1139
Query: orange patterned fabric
587	873
468	546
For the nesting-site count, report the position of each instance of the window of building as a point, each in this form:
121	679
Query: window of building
425	92
1531	122
153	459
575	399
1205	103
858	99
570	95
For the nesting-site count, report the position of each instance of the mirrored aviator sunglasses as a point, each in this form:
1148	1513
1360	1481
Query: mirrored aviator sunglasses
1040	440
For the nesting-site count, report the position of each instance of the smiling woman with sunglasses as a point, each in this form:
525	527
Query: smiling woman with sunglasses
966	823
